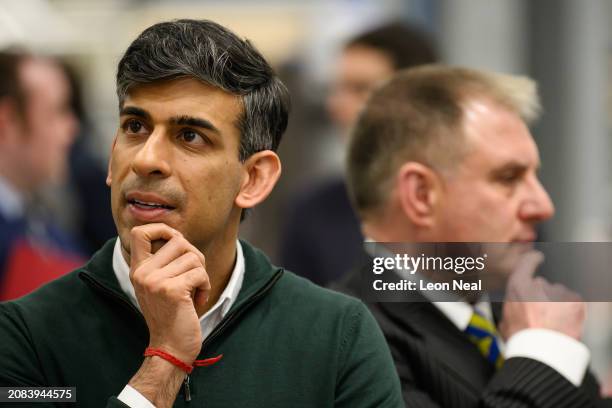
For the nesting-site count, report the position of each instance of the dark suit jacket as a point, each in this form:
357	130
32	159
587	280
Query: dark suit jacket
321	233
440	367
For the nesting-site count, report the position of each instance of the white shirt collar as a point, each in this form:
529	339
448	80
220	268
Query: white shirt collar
225	302
460	313
11	201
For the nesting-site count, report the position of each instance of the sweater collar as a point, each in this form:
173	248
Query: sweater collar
258	271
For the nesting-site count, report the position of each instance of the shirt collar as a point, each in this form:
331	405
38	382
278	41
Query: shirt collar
226	300
11	202
230	293
460	312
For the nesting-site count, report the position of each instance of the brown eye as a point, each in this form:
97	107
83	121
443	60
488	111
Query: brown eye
133	126
192	137
189	135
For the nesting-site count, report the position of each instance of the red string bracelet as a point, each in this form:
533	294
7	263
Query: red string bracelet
150	351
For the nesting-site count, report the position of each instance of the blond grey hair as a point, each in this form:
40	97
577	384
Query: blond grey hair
418	116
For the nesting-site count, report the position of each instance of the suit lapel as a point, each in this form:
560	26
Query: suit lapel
445	343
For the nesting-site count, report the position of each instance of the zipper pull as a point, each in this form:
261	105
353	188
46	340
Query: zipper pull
187	389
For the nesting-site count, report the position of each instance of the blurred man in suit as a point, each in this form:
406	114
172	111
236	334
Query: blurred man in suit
37	128
444	154
322	230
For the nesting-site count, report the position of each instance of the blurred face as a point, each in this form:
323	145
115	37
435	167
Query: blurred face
494	195
360	70
175	160
49	125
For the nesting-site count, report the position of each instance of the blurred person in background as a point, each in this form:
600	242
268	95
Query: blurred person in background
444	154
90	216
321	231
81	204
37	129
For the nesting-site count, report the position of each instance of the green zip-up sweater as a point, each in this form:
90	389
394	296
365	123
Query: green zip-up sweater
285	343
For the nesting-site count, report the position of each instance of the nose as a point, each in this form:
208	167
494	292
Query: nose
153	156
537	205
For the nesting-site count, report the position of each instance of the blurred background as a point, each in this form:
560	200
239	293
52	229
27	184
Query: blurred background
565	45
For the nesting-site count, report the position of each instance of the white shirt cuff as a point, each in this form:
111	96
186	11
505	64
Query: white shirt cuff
132	398
567	356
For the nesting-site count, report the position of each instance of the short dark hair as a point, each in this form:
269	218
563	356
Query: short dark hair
406	46
212	54
10	83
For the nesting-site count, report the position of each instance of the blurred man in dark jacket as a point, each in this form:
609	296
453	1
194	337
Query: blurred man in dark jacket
322	231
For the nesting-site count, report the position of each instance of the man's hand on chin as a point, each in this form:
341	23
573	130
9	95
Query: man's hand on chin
534	303
170	282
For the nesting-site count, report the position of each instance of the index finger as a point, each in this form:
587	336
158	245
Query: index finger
142	236
521	278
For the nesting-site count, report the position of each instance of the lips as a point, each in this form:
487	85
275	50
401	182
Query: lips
148	207
148	200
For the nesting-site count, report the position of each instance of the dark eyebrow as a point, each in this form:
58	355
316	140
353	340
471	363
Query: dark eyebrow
134	111
195	122
184	120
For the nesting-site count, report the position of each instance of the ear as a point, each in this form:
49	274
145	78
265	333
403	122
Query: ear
262	171
109	173
419	189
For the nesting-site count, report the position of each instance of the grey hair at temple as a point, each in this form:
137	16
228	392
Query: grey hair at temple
211	53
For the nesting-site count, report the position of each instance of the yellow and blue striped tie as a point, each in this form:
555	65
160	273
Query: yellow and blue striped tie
482	333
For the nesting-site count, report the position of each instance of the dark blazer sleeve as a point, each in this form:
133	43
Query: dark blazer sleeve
521	383
524	382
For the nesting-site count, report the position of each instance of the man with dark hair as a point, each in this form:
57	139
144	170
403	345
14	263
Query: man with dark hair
404	45
369	59
201	113
321	236
443	154
37	128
